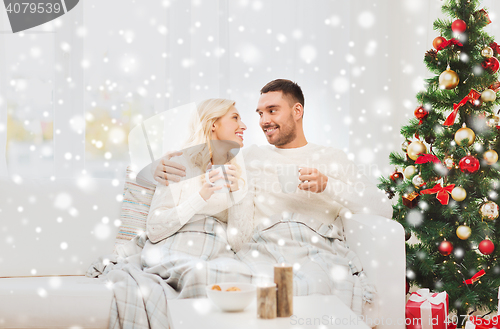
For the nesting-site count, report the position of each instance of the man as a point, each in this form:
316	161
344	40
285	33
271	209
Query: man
328	180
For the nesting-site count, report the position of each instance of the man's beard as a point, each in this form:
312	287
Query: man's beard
287	133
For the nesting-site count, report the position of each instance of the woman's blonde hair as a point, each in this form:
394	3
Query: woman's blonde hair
200	134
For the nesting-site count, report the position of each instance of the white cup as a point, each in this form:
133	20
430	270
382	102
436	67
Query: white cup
288	176
221	181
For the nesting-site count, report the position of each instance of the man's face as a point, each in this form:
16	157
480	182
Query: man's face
276	118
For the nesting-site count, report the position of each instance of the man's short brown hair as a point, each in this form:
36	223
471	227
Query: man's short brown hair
290	89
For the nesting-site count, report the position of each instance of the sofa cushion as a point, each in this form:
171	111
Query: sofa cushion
137	197
54	302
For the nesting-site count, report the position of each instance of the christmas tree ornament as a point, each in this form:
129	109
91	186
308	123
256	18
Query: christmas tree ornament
448	162
410	171
442	193
490	156
439	43
410	200
415	149
404	145
489	210
465	133
458	193
491	64
486	247
407	235
431	55
445	248
475	277
430	139
418	181
482	16
488	95
407	287
458	26
492	120
495	86
469	164
421	113
463	232
471	97
397	177
487	52
495	47
448	79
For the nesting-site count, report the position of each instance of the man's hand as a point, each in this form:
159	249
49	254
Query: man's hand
316	181
169	170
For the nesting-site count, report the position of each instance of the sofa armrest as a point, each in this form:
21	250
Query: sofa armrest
380	245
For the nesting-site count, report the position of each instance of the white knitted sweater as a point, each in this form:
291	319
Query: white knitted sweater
347	187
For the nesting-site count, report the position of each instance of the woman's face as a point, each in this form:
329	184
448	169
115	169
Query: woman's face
229	127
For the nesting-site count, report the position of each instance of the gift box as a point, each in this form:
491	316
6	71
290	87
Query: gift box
426	310
476	322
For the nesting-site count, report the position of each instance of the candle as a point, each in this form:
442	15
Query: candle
283	277
266	300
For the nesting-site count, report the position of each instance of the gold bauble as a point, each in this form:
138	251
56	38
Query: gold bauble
490	156
487	52
488	95
404	145
464	133
492	120
448	79
463	232
458	193
489	210
409	171
415	149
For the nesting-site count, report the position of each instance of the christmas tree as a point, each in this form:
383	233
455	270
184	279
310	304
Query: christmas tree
448	178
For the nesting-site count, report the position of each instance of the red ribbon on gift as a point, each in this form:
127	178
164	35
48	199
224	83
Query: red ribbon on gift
495	47
442	192
447	43
424	158
471	97
475	277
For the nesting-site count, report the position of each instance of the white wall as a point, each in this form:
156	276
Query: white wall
360	64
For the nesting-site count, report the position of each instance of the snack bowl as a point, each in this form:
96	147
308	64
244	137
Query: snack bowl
231	301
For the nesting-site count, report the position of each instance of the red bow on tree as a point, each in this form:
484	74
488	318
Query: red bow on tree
447	43
442	192
424	158
471	97
475	277
495	47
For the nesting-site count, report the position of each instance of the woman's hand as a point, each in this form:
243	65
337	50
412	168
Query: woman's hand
231	176
207	190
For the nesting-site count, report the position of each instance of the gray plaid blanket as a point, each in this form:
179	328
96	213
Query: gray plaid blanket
144	275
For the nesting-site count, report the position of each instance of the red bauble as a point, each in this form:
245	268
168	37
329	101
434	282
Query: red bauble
421	113
469	164
397	177
438	43
491	64
458	26
445	248
486	247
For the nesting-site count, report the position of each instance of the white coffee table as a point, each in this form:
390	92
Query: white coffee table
315	311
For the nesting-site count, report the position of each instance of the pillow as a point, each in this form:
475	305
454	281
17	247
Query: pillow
137	197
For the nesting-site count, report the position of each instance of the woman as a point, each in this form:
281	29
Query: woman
187	223
215	131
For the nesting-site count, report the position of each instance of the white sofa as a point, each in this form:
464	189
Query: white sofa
50	231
